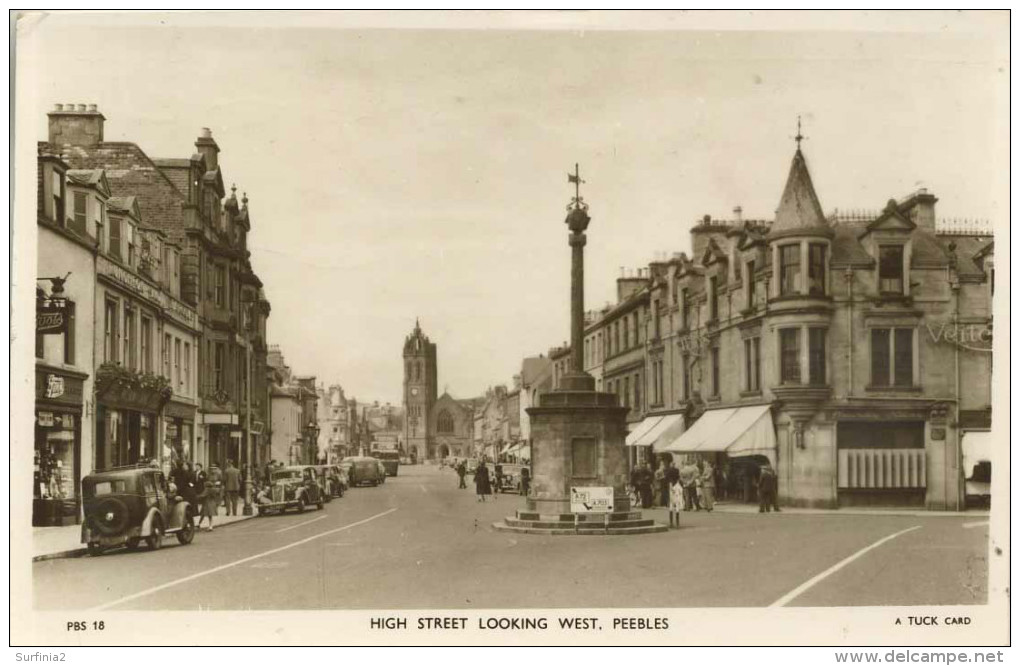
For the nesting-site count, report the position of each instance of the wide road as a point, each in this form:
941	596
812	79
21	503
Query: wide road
419	542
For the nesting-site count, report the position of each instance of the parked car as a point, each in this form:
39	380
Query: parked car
294	487
330	478
124	506
362	469
390	461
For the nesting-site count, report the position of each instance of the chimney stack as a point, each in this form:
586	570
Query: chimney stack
75	125
207	147
738	215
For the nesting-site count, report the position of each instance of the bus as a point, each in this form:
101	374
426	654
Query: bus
390	460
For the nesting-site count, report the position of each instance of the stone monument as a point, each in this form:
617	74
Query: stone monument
577	432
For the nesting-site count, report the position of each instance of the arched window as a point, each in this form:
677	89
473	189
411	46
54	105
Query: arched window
445	422
418	373
408	369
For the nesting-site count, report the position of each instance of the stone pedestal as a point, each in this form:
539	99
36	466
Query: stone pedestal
577	440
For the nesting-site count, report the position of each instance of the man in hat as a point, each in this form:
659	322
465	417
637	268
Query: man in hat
767	486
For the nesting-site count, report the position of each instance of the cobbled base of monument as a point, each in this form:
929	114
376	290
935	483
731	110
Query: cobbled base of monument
567	524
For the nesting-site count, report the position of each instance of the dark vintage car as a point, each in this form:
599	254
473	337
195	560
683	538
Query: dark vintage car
295	487
126	505
390	461
363	470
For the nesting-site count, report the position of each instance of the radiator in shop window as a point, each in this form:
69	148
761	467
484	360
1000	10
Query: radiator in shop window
882	468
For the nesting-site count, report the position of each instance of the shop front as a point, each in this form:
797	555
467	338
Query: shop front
178	433
128	408
57	456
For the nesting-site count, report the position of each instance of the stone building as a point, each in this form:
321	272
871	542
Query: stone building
182	202
851	352
64	365
454	421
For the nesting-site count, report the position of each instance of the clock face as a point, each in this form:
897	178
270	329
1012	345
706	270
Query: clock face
414	391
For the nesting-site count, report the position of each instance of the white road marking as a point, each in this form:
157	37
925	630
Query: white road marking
982	523
302	524
159	588
800	589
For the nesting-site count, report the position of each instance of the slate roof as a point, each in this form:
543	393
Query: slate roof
968	250
532	368
847	249
123	204
130	171
799	207
90	176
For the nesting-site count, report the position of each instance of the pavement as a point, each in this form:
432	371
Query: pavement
419	542
50	543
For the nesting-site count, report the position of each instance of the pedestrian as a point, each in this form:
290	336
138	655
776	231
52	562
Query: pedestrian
482	485
232	486
688	475
676	501
708	487
201	494
767	495
213	496
525	480
187	478
645	485
461	473
660	488
499	477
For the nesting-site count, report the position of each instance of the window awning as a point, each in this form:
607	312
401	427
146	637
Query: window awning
977	447
641	428
736	431
665	431
506	448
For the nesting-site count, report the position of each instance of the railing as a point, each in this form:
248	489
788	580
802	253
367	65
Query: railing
882	468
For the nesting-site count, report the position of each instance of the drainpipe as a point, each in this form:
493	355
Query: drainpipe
954	284
848	275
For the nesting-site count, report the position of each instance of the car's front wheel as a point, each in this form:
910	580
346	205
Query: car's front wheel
94	549
187	532
155	540
301	505
320	504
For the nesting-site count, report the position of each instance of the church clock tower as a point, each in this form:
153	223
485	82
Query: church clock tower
420	385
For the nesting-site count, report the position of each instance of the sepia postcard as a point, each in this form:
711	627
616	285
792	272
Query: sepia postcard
511	328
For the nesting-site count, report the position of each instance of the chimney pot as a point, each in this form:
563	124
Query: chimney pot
707	219
206	133
81	107
58	107
93	108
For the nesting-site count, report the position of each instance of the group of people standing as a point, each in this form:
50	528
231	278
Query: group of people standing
484	481
208	489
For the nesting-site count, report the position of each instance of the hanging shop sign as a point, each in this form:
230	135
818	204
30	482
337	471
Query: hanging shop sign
58	388
54	386
50	320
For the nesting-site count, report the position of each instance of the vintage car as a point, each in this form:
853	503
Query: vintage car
390	461
294	487
362	469
331	481
125	505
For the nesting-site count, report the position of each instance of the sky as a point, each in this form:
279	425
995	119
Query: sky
420	172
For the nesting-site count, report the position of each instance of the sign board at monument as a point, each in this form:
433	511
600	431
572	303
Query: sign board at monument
591	499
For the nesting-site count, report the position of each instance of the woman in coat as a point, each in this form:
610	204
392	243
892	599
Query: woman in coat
708	487
482	485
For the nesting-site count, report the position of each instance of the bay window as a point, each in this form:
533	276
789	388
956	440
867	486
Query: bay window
789	356
789	269
816	268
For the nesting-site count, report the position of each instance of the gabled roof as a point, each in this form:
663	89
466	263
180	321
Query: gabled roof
712	253
94	178
890	219
799	208
532	368
128	204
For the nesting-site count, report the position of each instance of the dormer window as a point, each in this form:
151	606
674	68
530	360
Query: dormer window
57	184
789	269
130	244
81	210
890	269
115	236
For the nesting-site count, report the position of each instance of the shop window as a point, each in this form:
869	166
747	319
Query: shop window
892	357
752	364
789	269
816	268
816	355
890	269
789	352
55	476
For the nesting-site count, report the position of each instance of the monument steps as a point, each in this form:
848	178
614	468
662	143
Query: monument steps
584	524
589	530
